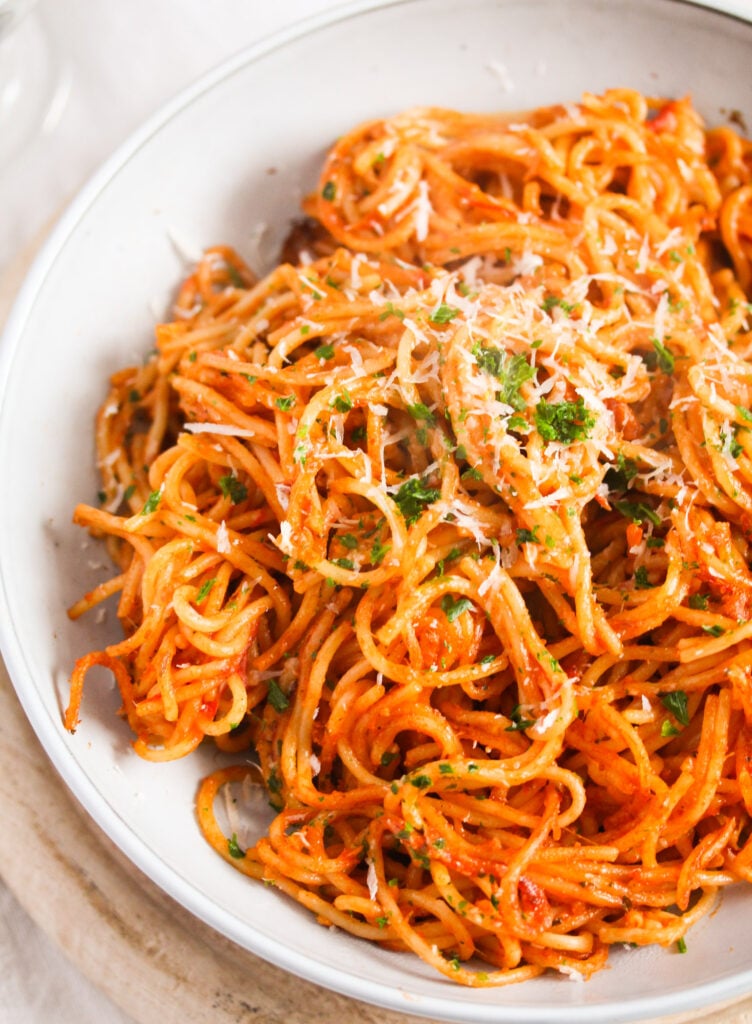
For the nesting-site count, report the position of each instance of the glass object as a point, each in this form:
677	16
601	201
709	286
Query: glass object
28	76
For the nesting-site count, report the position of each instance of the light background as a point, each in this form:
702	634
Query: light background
99	68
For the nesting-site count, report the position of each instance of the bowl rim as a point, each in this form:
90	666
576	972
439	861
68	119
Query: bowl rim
81	787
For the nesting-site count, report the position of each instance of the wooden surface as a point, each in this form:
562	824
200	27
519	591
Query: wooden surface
153	958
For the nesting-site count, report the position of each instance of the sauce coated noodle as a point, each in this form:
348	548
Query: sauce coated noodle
448	521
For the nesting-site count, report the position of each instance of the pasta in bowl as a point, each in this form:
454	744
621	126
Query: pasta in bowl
446	520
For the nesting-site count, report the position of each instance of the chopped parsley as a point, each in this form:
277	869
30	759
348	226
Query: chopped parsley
444	314
204	591
421	781
641	578
419	411
566	422
525	536
714	630
329	191
664	356
233	849
638	512
233	488
324	351
453	609
554	300
391	310
511	372
412	498
286	403
699	602
277	697
379	552
519	722
343	402
152	503
676	703
620	476
344	563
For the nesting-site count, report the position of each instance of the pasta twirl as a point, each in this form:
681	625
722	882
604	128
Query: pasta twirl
447	521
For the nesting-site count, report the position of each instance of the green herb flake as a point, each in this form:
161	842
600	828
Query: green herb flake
551	301
676	703
152	503
664	356
714	630
641	578
638	512
233	488
277	697
204	591
519	722
344	563
233	849
699	602
419	411
329	191
667	729
518	423
444	314
421	781
510	370
379	552
324	352
343	403
681	946
565	422
453	609
620	476
286	403
412	498
391	310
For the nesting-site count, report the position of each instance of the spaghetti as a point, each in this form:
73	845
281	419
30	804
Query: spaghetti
447	519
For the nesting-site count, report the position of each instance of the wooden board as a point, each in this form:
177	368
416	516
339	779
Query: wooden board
151	957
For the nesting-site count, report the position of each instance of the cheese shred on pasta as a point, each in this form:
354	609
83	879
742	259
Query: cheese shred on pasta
445	525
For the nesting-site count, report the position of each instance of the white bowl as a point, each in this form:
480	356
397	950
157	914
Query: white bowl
201	173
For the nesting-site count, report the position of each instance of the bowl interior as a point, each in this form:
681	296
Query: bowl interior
229	163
